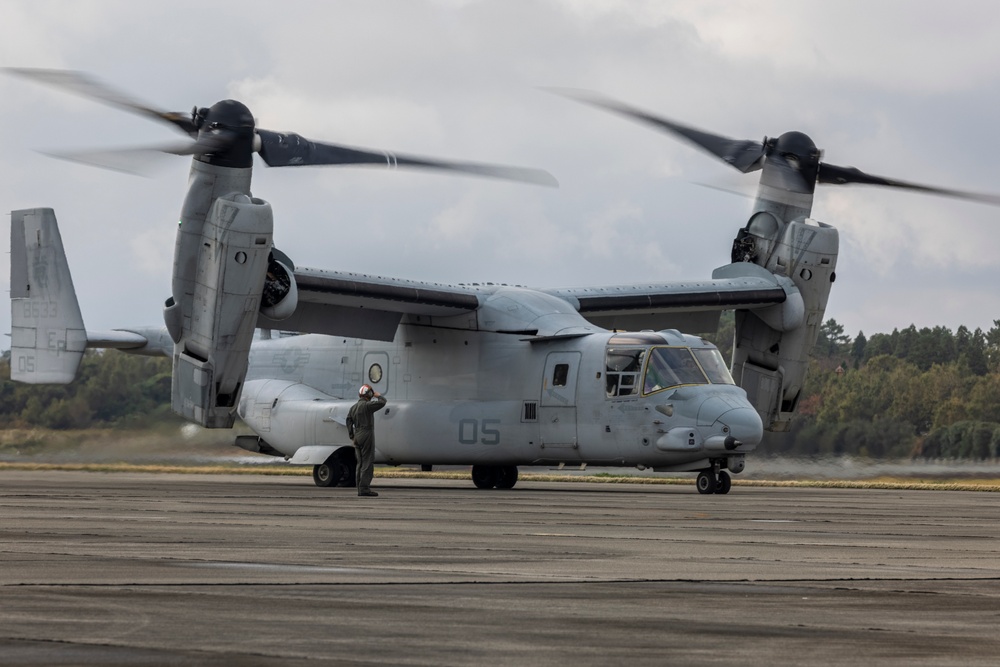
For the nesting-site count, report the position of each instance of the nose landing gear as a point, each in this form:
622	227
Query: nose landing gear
714	481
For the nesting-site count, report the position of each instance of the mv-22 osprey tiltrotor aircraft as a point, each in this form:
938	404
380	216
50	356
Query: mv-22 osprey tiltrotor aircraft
491	376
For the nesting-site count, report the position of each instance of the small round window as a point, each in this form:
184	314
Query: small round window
375	373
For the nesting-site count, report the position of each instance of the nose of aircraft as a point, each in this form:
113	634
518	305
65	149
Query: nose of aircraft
726	413
744	424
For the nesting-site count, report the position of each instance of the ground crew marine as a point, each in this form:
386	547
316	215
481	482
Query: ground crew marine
362	419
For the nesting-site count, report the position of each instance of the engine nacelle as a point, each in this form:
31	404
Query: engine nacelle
289	415
212	334
771	349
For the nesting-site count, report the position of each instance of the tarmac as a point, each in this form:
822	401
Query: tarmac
178	569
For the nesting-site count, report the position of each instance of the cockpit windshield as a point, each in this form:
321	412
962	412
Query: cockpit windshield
661	367
671	366
714	365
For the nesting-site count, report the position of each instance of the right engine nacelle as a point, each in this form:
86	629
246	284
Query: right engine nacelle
768	362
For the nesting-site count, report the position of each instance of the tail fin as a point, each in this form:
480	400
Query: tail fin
47	333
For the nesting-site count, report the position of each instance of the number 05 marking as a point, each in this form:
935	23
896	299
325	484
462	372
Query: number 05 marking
469	431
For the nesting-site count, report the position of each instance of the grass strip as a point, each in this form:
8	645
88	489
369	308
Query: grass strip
885	483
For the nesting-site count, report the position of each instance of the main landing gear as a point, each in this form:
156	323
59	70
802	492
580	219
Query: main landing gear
714	481
489	477
340	469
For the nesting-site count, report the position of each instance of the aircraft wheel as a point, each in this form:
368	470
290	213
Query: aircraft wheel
508	477
323	475
485	477
338	470
725	482
344	467
706	482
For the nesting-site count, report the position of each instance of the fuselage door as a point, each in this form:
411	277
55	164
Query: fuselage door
557	407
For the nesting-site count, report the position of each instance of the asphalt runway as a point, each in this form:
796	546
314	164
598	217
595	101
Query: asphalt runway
146	569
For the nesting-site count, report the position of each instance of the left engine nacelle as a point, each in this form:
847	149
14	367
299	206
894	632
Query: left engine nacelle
289	415
212	335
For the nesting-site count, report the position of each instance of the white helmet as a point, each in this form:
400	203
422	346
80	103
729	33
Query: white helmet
365	391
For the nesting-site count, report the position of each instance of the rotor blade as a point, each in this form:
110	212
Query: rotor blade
139	161
742	154
135	161
280	149
81	84
830	174
728	191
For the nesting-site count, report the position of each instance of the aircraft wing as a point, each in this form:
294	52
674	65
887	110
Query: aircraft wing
690	306
356	305
363	306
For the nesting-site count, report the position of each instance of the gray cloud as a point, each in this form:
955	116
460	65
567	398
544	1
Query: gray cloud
897	89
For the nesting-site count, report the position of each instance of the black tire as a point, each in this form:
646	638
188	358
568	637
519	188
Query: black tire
323	475
706	482
725	483
348	466
337	470
508	477
485	477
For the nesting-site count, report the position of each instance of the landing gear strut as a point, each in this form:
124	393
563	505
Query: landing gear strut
714	480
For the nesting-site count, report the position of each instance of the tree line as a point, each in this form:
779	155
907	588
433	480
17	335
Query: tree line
923	393
110	389
914	392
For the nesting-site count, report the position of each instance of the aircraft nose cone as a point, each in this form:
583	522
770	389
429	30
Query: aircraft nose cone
744	424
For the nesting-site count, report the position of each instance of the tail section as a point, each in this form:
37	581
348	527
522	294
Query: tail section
47	333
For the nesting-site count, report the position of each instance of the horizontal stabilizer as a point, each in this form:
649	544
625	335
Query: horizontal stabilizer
144	341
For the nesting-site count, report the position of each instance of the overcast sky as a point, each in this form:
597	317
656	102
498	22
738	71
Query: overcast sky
904	89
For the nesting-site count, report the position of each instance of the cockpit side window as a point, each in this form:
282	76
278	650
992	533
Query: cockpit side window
622	369
671	367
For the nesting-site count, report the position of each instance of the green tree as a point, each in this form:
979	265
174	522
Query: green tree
722	338
110	387
881	344
972	354
993	347
831	340
858	348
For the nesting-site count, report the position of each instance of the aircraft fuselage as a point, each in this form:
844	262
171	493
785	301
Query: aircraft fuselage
471	397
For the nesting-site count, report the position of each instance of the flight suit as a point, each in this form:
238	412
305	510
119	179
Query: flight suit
363	415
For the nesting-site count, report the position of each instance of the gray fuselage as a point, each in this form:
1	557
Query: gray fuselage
472	397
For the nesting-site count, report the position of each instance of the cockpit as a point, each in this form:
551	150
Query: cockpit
645	363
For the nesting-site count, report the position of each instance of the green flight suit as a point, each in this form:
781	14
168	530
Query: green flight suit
363	415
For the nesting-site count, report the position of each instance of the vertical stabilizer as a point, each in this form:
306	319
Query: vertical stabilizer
47	333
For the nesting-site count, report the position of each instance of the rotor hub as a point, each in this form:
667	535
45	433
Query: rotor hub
231	122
